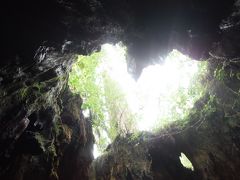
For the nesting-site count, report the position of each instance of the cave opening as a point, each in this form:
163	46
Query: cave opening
120	105
179	120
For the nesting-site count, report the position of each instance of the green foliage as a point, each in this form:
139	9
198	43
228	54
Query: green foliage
210	106
120	117
103	97
83	80
23	92
183	100
108	105
220	73
41	140
221	99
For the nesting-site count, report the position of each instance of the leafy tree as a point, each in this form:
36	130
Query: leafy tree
181	102
83	80
120	116
106	101
103	97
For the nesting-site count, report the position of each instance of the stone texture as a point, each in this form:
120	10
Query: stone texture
209	137
43	134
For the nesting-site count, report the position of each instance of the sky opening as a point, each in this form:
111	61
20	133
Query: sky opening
164	92
155	94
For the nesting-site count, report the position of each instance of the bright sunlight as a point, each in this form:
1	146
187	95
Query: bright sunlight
120	105
154	96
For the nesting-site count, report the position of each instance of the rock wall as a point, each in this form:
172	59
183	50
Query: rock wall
148	28
43	134
209	137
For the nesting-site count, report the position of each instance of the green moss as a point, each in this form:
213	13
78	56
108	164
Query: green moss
39	86
220	73
51	150
23	93
41	140
124	156
36	90
47	146
57	128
